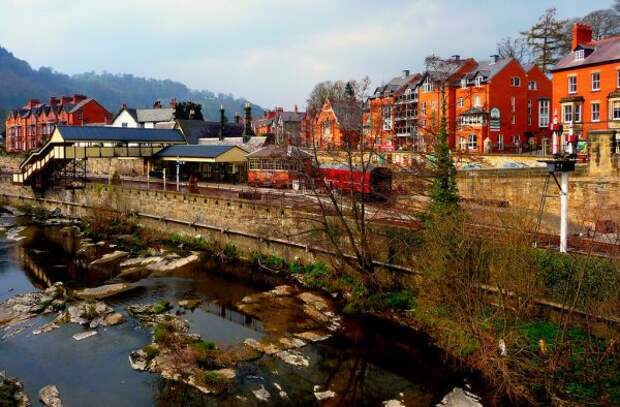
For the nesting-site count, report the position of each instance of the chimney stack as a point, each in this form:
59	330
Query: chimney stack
494	58
157	104
405	73
237	118
173	103
296	110
77	98
221	134
456	57
53	101
247	121
582	34
65	100
124	106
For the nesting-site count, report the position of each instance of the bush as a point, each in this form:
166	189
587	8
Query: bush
230	251
162	332
151	351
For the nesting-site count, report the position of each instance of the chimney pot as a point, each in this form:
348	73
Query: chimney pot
173	103
124	106
237	117
296	110
456	57
495	58
582	34
405	73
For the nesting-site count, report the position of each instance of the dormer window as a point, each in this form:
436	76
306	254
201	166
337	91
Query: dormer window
478	81
580	55
463	83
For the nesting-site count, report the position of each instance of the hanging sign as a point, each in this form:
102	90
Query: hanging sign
494	122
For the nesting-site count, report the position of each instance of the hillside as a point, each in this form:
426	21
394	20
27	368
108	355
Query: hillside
19	82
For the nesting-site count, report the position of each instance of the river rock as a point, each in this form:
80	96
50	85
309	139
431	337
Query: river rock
322	395
50	396
282	290
173	264
261	393
84	335
113	319
49	327
108	259
138	360
141	261
460	398
104	291
313	336
189	304
293	358
14	234
314	300
393	403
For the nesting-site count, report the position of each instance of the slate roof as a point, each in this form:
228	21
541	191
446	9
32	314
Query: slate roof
119	134
487	69
253	144
290	116
164	114
601	51
392	86
278	151
348	114
197	129
195	151
80	105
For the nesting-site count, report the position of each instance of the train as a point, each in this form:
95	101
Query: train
373	182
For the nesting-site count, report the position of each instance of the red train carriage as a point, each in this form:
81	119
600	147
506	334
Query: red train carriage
375	182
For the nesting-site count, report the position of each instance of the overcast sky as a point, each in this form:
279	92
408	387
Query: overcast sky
269	51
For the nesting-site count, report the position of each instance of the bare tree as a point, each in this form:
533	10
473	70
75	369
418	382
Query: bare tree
516	48
546	39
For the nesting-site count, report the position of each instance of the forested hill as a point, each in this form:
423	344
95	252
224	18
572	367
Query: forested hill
19	82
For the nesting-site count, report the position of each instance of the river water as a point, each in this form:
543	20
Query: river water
367	363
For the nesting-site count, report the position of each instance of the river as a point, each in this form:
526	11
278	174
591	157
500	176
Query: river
367	362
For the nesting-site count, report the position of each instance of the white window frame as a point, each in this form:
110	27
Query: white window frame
500	142
460	102
463	83
477	101
572	84
580	55
529	106
567	113
577	113
478	81
513	104
532	85
472	142
515	81
597	81
595	118
615	109
544	105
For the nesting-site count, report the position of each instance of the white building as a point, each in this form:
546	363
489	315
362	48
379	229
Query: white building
145	118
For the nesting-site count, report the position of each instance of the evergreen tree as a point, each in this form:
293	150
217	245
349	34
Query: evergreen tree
546	39
188	111
349	92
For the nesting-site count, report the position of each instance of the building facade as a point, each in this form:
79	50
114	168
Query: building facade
586	84
148	118
338	125
32	125
502	107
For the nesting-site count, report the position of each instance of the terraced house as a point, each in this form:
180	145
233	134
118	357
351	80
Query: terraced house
502	106
586	85
33	124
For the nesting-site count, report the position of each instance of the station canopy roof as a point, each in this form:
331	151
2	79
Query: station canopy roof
203	153
119	134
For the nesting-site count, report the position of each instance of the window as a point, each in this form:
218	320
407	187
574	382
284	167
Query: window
618	78
423	107
473	142
516	81
463	83
513	104
514	119
616	109
543	112
580	54
460	102
479	81
427	86
529	106
568	113
577	113
596	81
124	124
572	84
532	85
477	101
500	142
596	111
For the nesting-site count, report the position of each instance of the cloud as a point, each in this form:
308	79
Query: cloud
270	51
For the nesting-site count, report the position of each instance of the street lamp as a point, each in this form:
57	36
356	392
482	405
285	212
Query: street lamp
179	163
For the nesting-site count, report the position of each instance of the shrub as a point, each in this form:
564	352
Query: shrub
162	332
230	251
151	351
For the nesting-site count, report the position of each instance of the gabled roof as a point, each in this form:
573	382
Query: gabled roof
348	114
600	52
394	85
197	129
81	104
164	114
290	116
487	69
119	134
278	151
195	151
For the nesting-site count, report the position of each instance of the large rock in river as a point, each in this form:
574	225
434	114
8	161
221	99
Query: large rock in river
50	396
109	259
104	291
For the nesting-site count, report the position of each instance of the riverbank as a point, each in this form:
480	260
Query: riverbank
378	362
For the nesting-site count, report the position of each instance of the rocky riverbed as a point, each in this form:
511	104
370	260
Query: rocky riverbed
98	323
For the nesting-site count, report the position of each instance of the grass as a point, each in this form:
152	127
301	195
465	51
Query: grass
162	332
162	306
151	351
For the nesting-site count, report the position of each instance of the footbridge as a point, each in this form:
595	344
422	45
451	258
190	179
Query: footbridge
63	158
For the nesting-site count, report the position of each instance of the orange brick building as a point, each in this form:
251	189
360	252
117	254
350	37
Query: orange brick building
586	84
338	122
502	106
387	112
429	99
31	125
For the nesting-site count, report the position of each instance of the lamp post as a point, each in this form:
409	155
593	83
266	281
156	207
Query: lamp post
179	163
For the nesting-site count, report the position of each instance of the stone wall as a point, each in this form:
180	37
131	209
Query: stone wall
130	167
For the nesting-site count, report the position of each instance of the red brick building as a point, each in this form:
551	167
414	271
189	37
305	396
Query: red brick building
338	124
502	106
31	125
586	84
